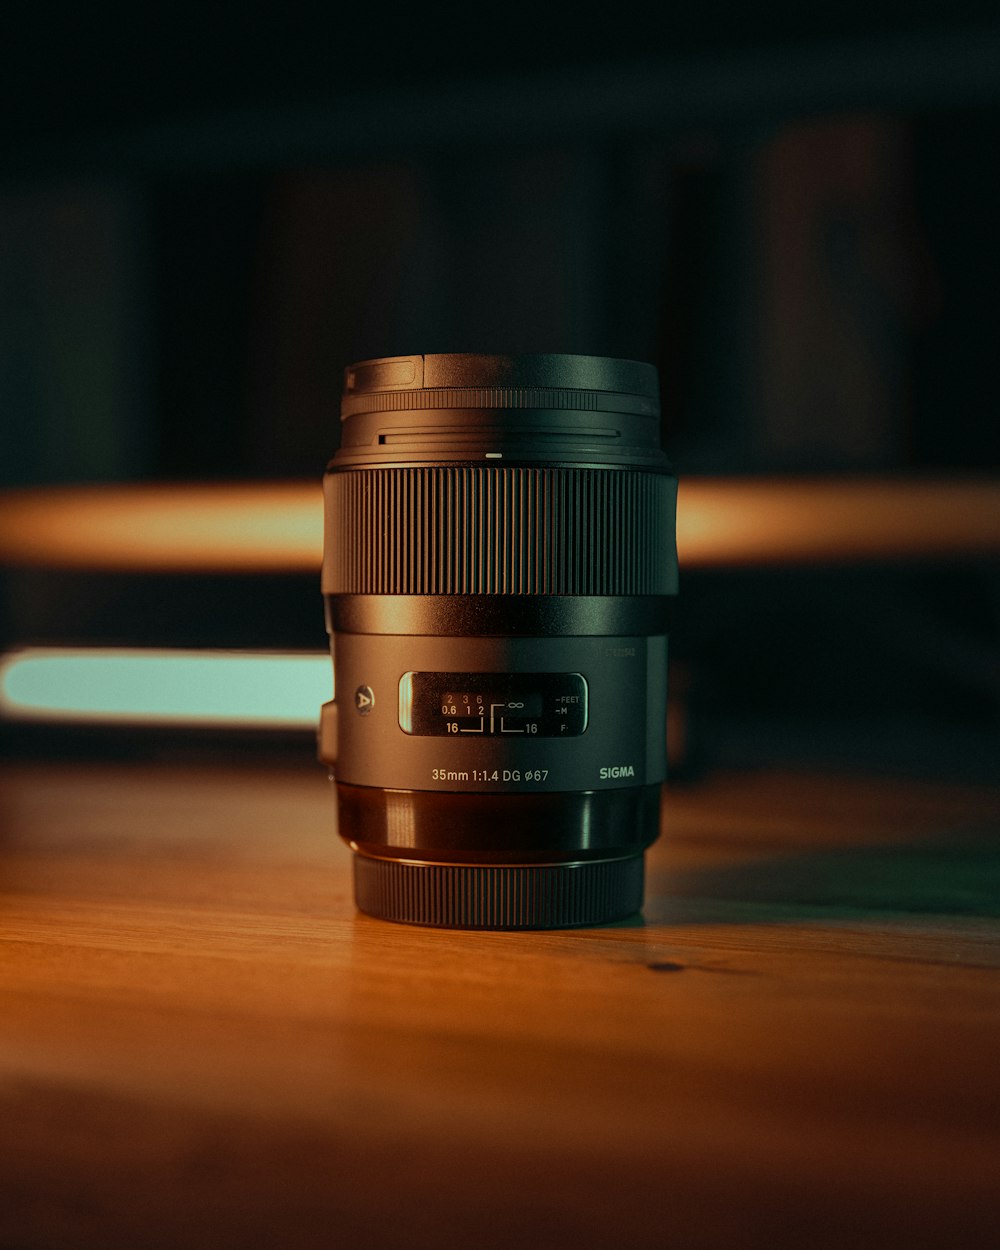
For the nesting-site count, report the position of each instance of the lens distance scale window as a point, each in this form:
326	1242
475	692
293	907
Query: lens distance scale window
493	705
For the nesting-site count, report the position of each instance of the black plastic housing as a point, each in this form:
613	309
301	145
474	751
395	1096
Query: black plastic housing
509	519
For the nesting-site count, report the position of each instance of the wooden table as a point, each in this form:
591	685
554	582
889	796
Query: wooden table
203	1045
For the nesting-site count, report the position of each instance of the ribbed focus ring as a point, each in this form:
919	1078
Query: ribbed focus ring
493	897
543	399
456	530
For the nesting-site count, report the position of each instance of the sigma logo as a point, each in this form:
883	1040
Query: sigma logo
618	770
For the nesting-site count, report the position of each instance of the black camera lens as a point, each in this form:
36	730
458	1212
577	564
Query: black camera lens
499	561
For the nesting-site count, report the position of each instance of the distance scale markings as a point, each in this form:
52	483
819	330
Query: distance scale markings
545	705
462	704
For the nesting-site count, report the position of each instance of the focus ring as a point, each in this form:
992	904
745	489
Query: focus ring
508	398
471	530
516	897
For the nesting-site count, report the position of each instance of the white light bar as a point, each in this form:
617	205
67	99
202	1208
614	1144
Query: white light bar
151	687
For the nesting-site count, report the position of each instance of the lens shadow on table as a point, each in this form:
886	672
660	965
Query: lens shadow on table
953	876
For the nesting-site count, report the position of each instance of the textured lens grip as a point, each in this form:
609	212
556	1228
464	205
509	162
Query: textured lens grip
508	398
548	896
469	530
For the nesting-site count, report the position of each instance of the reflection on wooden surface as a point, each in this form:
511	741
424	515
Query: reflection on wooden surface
204	1045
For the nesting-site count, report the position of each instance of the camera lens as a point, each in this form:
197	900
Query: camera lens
499	562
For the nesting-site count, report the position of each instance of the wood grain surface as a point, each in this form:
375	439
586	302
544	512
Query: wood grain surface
203	1045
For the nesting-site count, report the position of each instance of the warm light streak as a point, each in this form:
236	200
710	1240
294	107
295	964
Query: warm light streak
278	527
105	686
824	520
263	527
828	520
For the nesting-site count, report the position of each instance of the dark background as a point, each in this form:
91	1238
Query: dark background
206	214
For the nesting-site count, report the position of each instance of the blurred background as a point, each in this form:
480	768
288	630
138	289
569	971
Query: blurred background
793	214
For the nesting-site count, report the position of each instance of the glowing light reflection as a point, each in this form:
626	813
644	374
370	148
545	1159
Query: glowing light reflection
233	527
278	527
105	686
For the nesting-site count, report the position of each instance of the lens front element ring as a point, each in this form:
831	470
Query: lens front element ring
487	896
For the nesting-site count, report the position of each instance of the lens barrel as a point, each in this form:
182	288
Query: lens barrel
499	562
